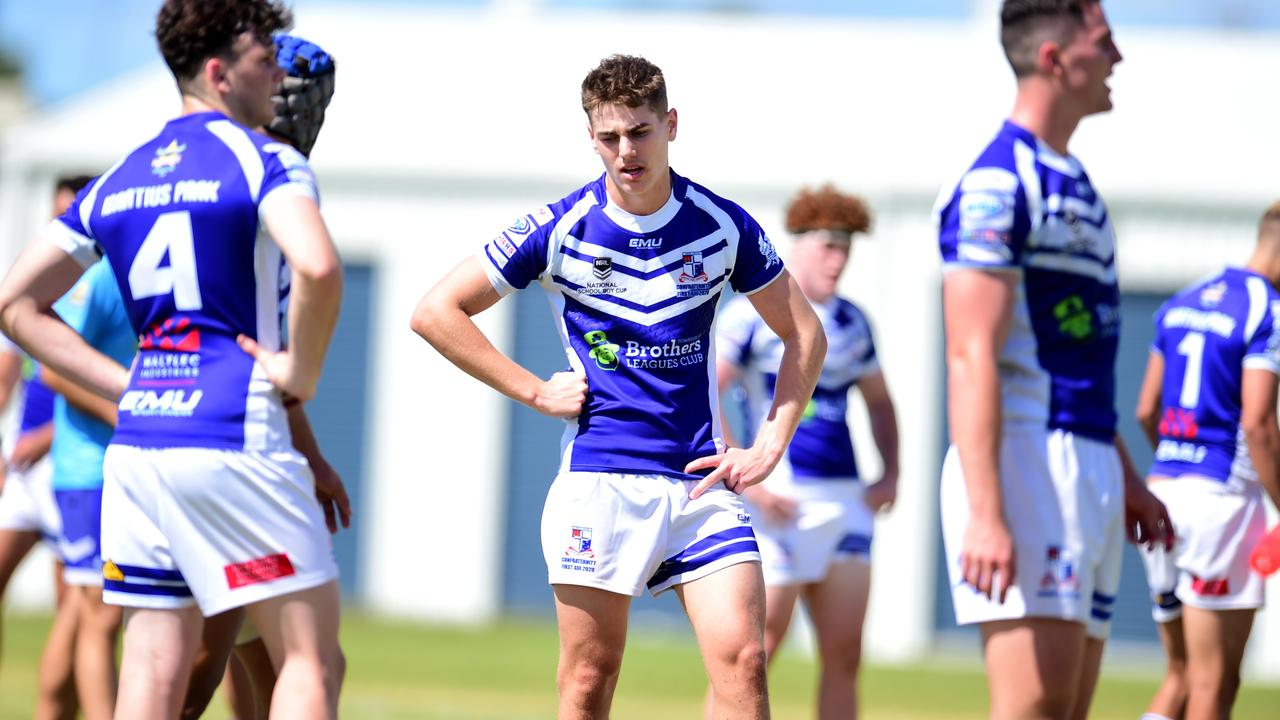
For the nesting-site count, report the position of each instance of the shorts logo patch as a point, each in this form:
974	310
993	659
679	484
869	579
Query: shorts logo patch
579	556
1210	588
110	571
1060	578
258	570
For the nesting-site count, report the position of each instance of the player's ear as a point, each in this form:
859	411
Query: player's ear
1049	58
672	122
214	73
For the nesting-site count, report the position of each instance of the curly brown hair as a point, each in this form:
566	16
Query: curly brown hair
827	209
189	32
625	80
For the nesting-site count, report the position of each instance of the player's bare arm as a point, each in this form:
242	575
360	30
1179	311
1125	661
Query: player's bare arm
443	319
295	224
881	494
330	490
1146	520
774	507
1148	410
788	314
80	398
977	311
1261	432
42	274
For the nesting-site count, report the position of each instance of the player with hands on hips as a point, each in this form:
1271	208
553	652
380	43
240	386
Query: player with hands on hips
813	516
634	263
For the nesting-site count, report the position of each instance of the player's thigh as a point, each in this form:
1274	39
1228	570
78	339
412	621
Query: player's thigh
14	546
303	623
592	624
838	606
779	607
726	610
1032	663
1215	639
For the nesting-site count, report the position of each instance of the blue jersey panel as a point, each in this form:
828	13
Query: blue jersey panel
822	447
635	298
94	309
179	218
37	404
1024	208
1208	334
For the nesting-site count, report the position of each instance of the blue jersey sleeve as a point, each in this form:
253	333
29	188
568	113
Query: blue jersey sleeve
986	222
757	263
285	171
1157	342
1262	351
70	231
519	254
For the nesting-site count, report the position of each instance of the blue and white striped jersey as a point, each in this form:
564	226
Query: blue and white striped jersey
1208	334
634	298
180	220
822	447
1022	207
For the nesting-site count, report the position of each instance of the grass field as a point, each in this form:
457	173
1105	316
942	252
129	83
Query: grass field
507	672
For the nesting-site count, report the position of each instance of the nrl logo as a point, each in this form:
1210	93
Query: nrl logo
602	267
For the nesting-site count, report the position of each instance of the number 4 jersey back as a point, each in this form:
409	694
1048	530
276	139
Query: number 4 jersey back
1208	335
179	221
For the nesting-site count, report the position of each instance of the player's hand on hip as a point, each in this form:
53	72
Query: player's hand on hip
332	495
562	395
737	468
1146	520
987	561
279	368
775	508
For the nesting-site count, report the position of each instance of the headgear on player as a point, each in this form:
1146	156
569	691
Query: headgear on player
305	92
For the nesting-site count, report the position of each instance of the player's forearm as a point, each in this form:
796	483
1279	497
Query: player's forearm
976	426
804	350
313	313
1263	441
80	398
453	334
60	348
884	430
304	439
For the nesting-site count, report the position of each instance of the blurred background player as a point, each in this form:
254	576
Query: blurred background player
202	432
1037	490
1208	405
28	511
83	424
634	263
814	517
245	669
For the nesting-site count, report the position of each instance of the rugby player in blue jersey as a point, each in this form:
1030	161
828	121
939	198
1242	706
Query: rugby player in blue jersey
814	516
1037	490
1208	405
634	263
203	435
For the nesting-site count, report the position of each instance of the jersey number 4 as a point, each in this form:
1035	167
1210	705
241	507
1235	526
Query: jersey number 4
170	235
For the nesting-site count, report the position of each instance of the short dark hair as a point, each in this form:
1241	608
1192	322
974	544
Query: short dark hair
625	80
827	209
72	183
1025	24
189	32
1269	225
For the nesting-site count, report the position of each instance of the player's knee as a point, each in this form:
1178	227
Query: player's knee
749	664
841	658
589	673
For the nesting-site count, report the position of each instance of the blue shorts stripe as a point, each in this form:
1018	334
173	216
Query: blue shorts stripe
1103	599
1103	615
669	569
854	543
151	573
711	541
1167	601
137	589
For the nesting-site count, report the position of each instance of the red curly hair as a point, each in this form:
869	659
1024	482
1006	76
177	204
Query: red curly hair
827	209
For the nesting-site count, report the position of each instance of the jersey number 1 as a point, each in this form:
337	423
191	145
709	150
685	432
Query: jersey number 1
1192	347
170	234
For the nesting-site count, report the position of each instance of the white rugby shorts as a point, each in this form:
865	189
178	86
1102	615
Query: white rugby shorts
27	504
625	532
832	524
1064	503
1217	526
218	528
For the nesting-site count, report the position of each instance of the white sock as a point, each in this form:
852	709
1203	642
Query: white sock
1153	716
